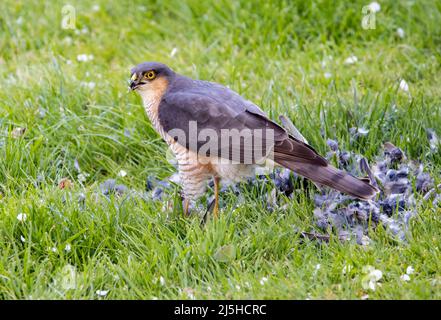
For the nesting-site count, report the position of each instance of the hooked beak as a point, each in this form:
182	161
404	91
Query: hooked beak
133	82
133	85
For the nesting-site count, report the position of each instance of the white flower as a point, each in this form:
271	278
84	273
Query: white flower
22	239
22	217
328	75
237	287
19	21
82	177
351	60
365	297
209	289
263	280
173	52
53	249
369	281
162	281
318	266
404	86
374	6
102	293
346	269
400	33
68	247
84	57
410	270
122	173
405	277
90	85
96	8
190	293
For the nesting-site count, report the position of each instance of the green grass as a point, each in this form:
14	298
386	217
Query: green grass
273	54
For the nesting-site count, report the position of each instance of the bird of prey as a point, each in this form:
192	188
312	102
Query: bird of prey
175	103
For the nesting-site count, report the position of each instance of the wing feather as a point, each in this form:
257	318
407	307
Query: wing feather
207	109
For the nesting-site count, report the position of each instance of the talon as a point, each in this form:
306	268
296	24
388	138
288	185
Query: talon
216	197
186	208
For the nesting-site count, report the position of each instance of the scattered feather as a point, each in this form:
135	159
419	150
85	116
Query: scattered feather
332	144
393	153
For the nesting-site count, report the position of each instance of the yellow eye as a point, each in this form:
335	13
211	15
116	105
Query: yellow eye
150	75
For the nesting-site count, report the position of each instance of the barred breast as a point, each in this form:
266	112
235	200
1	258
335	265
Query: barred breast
194	173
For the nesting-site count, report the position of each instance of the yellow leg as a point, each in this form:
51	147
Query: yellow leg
186	207
216	197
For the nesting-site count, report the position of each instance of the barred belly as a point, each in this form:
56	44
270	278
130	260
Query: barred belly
196	171
194	174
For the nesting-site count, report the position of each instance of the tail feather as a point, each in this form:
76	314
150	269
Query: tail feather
332	177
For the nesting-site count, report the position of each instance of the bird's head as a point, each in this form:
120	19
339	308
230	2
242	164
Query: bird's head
149	76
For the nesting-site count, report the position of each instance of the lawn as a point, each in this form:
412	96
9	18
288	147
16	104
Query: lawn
66	113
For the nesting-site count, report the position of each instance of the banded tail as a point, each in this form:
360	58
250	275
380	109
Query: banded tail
305	161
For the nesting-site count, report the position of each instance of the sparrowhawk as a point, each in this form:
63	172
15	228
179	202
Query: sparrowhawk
174	103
